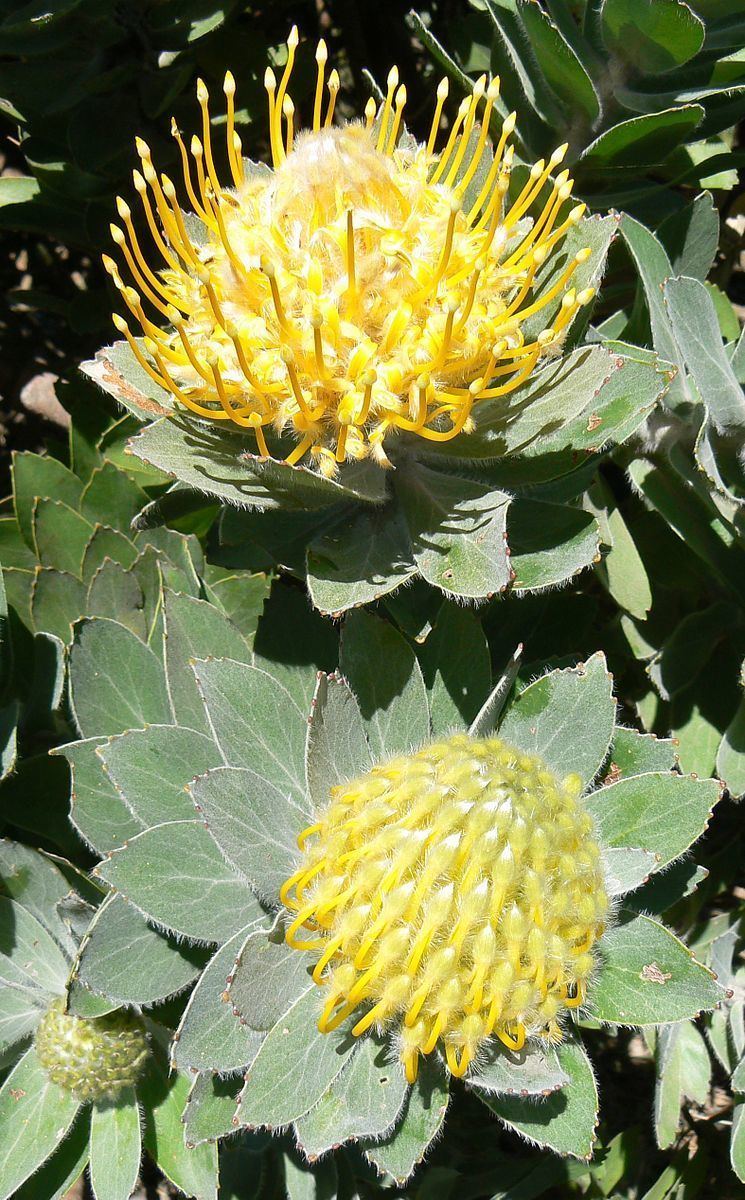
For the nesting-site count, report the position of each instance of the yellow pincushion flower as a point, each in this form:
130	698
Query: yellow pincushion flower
452	895
368	285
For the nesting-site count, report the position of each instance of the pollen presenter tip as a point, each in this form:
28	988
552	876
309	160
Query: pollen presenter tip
450	896
355	251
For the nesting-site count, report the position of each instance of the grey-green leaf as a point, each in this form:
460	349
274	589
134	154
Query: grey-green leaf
337	748
385	676
363	1101
637	812
267	978
254	824
211	1037
295	1065
125	960
533	1071
116	682
566	718
195	629
152	768
199	895
116	1148
457	529
256	722
35	1115
648	977
399	1152
565	1121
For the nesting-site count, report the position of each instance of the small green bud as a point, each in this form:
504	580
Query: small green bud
94	1058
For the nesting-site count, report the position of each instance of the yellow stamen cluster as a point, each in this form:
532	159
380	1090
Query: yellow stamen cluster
367	285
454	894
94	1058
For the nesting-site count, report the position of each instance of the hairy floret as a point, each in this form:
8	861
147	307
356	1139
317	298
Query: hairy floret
365	286
453	895
94	1058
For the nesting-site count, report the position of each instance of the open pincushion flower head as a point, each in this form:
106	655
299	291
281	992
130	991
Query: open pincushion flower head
366	286
373	302
457	891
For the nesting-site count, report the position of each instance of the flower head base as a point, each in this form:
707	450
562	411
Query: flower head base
96	1058
453	894
366	286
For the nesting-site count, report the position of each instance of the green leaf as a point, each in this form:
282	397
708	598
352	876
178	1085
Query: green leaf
565	718
651	36
730	757
691	236
33	880
180	558
97	810
13	550
737	1143
116	593
211	1037
35	1115
648	977
294	1066
519	423
115	1148
63	1168
254	824
257	723
486	720
683	1069
210	1110
665	889
550	543
457	530
696	329
127	962
565	1121
21	1009
363	557
60	536
642	141
636	812
456	668
116	370
36	475
636	753
201	897
224	465
107	543
622	570
654	268
627	868
195	629
116	683
193	1170
398	1153
242	597
688	650
563	70
267	977
337	748
363	1101
534	1071
57	601
151	769
31	957
385	676
111	498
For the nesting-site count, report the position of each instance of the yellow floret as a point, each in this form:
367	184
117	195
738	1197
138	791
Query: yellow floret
365	286
449	896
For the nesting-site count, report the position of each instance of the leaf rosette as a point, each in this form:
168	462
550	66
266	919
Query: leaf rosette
219	802
383	331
